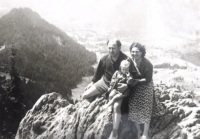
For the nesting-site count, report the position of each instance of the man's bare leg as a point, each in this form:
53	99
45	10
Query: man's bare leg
92	91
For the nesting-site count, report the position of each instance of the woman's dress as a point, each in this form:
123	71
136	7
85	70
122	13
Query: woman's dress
142	101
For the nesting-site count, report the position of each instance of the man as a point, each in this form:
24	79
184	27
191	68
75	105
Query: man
107	66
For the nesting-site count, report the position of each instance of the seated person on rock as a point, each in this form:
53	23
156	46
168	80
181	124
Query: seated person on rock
107	66
120	76
100	83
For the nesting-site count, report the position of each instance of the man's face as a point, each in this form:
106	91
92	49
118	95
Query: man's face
113	48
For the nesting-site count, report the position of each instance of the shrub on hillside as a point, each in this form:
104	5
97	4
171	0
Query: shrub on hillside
169	66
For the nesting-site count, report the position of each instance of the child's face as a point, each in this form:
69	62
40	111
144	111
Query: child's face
124	69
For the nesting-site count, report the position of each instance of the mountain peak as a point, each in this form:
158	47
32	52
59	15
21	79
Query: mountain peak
21	13
25	11
51	55
23	21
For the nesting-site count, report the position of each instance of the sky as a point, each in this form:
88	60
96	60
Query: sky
160	18
65	10
87	10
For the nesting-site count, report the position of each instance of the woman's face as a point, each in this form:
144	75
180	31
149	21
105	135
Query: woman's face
135	53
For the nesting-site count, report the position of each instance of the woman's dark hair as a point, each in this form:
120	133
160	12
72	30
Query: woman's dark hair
119	44
140	47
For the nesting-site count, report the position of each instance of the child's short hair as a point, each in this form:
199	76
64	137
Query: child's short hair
125	63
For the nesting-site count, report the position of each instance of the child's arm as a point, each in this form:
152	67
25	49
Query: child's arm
114	79
112	83
130	80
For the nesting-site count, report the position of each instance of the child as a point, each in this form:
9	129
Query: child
120	76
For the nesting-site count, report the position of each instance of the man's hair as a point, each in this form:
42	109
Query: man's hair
119	44
140	47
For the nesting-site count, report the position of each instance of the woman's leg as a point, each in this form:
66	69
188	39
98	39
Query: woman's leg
116	117
146	130
138	130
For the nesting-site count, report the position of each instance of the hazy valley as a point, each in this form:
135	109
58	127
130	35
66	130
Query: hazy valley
176	65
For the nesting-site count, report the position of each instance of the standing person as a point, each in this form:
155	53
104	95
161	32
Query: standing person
107	66
142	98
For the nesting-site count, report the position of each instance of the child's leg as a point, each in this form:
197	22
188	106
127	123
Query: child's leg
114	99
116	118
112	94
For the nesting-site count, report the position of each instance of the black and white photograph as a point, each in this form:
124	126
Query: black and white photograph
99	69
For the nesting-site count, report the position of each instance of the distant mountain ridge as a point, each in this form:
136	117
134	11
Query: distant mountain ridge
25	18
45	54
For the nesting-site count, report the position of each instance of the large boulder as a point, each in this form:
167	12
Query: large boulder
52	117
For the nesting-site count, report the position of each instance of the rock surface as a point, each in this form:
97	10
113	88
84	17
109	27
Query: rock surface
52	117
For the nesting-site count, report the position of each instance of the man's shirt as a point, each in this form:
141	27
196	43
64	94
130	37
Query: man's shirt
106	68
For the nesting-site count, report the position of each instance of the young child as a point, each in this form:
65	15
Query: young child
120	76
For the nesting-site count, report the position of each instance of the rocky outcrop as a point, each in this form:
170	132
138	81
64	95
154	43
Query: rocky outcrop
53	117
181	119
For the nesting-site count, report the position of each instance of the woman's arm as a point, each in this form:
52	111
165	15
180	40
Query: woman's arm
133	71
148	74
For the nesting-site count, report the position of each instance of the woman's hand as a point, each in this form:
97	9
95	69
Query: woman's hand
88	86
136	82
133	82
122	87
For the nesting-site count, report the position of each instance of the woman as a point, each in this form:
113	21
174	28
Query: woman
142	98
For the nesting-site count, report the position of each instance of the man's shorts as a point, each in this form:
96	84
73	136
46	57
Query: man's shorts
101	86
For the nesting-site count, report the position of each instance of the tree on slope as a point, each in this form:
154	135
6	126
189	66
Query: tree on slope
14	100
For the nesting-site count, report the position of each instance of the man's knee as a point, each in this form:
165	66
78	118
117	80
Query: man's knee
92	91
87	93
84	95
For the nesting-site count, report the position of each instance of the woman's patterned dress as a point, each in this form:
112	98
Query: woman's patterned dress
143	104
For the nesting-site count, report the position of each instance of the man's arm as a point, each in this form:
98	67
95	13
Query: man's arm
99	72
97	75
